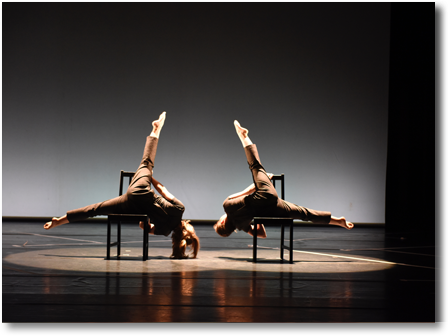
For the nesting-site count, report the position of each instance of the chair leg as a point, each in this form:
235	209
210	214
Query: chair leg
283	222
118	239
145	241
282	242
291	239
118	219
108	239
254	257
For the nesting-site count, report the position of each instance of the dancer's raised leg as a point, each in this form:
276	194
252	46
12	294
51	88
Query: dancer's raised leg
148	159
261	178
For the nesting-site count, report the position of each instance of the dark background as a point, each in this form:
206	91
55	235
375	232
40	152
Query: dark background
411	170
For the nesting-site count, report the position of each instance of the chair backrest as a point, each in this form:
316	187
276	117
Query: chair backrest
130	175
124	174
280	178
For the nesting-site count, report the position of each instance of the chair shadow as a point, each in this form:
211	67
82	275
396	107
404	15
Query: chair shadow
279	261
259	260
129	258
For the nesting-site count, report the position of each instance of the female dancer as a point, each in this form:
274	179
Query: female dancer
260	199
165	212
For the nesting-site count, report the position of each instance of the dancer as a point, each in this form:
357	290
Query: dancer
260	199
165	211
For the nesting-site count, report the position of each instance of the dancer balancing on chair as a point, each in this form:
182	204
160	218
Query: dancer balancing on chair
164	212
260	199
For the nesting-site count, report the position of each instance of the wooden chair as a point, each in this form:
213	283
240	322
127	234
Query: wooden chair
276	221
126	218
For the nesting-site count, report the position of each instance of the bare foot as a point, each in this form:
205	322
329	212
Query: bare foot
241	131
347	225
342	222
54	222
161	119
242	134
158	124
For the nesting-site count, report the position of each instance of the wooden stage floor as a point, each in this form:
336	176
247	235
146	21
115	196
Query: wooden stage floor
362	275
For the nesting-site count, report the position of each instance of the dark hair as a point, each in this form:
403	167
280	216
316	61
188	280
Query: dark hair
184	235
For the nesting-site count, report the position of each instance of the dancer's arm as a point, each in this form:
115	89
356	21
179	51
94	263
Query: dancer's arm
162	190
249	190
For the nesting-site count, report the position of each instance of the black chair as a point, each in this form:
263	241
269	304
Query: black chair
276	221
128	218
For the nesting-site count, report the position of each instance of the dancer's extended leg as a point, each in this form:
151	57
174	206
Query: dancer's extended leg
262	183
150	153
116	204
260	177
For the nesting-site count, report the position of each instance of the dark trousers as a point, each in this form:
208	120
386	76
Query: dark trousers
138	194
265	194
265	202
141	182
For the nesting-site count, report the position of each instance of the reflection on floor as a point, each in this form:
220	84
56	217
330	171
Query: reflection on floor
362	275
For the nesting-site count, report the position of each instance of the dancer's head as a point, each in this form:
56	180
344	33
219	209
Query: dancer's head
184	235
224	227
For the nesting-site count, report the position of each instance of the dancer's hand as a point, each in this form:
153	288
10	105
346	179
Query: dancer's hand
261	231
151	227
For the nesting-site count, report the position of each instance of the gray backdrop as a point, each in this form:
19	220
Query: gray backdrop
83	82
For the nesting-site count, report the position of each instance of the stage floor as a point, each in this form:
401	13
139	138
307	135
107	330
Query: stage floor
362	275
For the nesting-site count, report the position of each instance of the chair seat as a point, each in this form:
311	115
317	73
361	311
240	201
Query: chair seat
274	220
128	217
